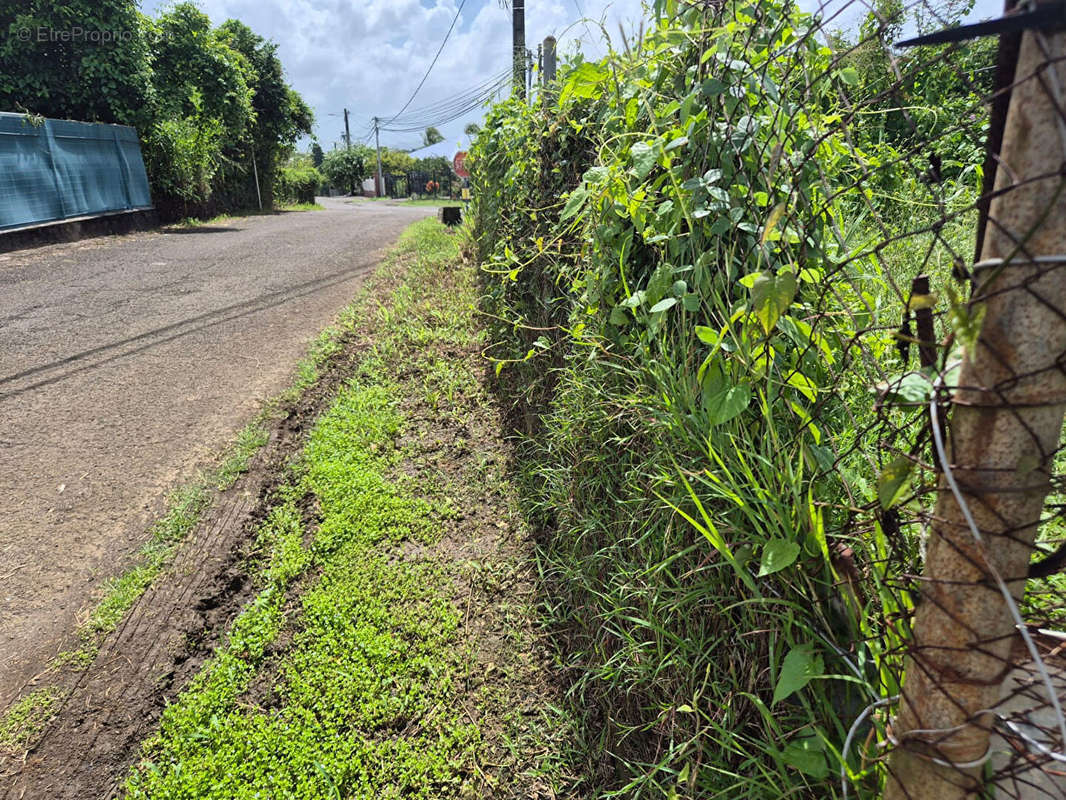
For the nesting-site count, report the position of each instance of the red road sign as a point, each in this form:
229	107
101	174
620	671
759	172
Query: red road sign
459	164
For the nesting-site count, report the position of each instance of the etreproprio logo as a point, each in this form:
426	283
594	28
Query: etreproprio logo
74	34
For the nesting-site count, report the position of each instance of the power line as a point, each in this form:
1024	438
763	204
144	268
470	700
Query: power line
585	22
453	113
432	65
459	96
445	110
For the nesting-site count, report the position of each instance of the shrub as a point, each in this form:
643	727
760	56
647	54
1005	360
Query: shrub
347	168
297	184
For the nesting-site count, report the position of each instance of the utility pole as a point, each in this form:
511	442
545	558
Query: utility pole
518	11
548	75
347	130
377	144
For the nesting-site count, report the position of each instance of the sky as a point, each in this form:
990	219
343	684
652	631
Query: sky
369	55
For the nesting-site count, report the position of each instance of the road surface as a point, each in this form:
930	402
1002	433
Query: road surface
125	364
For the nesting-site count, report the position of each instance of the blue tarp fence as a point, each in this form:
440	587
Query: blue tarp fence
62	169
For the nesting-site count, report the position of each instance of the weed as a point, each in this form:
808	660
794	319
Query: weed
26	719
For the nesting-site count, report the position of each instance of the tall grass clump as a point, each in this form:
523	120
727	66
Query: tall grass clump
694	257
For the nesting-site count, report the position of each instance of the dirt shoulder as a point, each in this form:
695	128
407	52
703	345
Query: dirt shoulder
355	616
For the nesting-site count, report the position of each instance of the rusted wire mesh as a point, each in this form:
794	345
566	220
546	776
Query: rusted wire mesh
950	237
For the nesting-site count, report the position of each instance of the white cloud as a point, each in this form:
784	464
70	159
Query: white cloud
369	55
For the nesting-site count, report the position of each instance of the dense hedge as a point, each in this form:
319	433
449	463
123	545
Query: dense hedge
297	184
679	258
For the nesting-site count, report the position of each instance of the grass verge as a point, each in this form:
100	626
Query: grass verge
390	650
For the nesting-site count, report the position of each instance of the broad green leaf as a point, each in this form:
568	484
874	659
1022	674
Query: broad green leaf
596	174
575	203
583	82
800	666
772	295
707	335
808	756
798	380
662	305
892	483
644	158
850	76
777	554
771	223
911	388
727	403
660	283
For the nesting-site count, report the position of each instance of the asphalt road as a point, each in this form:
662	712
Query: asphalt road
125	364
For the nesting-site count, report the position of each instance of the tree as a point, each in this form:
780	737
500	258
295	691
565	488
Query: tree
280	114
95	81
431	136
349	167
472	129
207	103
396	161
190	56
434	165
316	155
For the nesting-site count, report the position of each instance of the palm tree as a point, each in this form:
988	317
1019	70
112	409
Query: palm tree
431	136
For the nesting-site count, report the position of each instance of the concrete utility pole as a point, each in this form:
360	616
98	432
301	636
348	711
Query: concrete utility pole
347	130
1006	426
548	76
380	187
518	11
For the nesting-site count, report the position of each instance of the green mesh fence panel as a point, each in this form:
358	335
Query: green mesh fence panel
62	169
